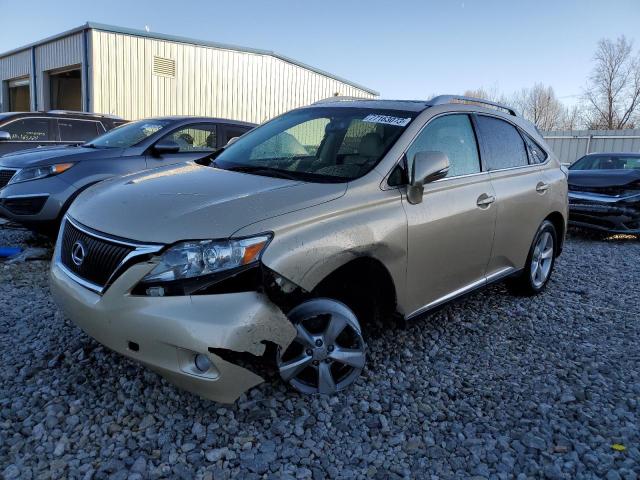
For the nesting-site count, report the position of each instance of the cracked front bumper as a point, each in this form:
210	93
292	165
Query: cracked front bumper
605	213
165	333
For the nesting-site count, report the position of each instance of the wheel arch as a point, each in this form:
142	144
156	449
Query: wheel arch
362	278
559	223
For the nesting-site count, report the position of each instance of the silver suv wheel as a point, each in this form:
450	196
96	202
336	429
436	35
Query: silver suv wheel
328	352
542	259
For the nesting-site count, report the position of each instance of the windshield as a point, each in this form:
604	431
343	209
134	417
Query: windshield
317	144
607	162
129	134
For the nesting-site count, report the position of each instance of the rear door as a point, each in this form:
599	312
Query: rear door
195	140
29	132
451	231
76	131
519	195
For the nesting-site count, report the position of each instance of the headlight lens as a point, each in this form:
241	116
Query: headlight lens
35	173
199	258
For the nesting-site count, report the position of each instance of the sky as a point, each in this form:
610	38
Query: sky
403	49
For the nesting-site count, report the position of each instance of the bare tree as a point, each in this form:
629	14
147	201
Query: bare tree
613	91
492	94
540	106
572	118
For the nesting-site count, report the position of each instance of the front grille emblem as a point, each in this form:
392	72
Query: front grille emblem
78	252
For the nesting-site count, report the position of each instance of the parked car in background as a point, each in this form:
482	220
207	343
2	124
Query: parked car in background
299	236
604	192
25	130
37	186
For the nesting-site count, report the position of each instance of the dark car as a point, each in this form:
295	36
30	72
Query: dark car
37	186
25	130
604	192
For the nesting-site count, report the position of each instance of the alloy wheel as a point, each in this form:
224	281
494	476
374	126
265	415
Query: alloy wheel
328	352
542	259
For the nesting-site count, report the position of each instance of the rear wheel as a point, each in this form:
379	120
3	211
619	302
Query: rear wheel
328	353
540	262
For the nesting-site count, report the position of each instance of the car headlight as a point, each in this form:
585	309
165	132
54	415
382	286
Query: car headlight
193	259
35	173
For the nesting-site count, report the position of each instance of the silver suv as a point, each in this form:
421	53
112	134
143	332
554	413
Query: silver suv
299	236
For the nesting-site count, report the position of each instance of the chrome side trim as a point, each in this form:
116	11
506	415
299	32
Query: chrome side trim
140	249
28	195
461	291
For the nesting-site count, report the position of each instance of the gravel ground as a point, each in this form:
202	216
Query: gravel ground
494	386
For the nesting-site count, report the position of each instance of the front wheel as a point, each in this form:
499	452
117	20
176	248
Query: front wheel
540	262
328	352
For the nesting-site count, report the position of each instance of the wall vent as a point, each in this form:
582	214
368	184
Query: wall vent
164	67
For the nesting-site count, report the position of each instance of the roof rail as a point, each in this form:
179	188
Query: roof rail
89	114
340	98
444	99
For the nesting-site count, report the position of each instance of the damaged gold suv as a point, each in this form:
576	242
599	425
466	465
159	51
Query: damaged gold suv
288	244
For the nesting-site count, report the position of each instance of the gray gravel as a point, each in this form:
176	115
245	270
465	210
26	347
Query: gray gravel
494	386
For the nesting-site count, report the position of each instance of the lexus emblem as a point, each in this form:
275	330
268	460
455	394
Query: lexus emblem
78	252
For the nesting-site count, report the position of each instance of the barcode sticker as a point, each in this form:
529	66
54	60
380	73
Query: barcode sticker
397	121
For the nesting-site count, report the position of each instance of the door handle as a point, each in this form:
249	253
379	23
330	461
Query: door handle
542	187
485	200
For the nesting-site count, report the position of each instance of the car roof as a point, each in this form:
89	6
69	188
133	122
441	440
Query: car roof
187	118
62	114
374	104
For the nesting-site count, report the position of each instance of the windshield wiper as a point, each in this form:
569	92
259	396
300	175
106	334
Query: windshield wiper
88	145
269	171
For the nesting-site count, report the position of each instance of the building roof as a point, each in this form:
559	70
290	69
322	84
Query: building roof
180	39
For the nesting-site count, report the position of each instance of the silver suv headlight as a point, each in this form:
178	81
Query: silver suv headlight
205	257
35	173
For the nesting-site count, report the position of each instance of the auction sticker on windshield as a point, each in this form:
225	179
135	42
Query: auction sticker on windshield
397	121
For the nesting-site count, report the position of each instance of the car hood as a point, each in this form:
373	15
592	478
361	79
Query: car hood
174	203
38	157
603	178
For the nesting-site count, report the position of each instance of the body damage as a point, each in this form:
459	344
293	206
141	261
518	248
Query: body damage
366	222
606	200
168	332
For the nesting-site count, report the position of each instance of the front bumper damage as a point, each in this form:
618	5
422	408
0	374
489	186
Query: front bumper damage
166	333
609	213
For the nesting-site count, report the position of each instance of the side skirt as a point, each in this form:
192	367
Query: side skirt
457	295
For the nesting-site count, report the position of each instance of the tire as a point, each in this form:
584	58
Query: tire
328	353
540	262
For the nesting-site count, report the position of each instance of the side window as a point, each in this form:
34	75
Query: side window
453	135
195	138
77	130
536	153
234	132
502	144
30	130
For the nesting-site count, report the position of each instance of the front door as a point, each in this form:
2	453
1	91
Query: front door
195	141
451	230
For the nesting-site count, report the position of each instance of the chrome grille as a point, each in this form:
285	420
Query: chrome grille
103	257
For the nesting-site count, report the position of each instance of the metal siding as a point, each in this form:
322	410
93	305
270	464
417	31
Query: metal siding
209	81
65	52
14	66
571	145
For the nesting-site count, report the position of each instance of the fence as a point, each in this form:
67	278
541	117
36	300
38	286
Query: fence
571	145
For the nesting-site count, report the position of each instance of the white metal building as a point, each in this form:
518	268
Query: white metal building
137	74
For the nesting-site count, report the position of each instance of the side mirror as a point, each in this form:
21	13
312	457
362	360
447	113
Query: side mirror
427	167
231	140
166	146
5	136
